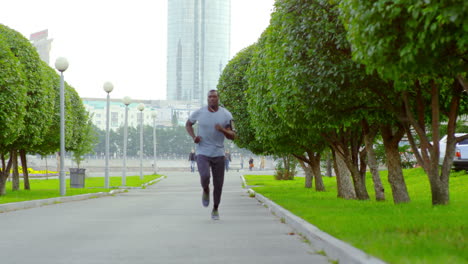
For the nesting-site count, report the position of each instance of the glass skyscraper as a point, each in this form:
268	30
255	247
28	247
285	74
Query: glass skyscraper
198	46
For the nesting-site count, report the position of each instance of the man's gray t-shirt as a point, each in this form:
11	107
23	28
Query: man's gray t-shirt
212	140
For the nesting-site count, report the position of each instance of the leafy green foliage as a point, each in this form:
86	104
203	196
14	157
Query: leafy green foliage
30	107
286	168
87	137
315	81
51	141
38	112
232	87
397	38
76	123
270	130
12	96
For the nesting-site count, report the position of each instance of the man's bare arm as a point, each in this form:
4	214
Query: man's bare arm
228	132
189	128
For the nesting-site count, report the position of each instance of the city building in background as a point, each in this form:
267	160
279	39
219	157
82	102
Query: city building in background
197	48
42	44
165	111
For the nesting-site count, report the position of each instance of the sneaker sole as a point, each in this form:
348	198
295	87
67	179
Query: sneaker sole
206	202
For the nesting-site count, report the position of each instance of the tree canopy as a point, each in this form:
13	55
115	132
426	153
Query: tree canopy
397	38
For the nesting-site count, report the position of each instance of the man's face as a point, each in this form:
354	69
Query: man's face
213	99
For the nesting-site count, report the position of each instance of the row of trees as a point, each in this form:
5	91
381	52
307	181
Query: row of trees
170	142
29	109
340	75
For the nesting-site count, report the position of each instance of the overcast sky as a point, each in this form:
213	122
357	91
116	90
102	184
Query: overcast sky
123	42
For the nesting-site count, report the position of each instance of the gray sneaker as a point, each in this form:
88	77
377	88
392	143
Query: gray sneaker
205	199
215	215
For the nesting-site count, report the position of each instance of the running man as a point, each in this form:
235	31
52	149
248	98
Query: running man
214	124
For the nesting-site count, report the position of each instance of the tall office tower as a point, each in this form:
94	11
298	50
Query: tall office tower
42	44
198	44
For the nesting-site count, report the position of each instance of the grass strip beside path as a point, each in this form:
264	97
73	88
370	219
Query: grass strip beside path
416	232
50	188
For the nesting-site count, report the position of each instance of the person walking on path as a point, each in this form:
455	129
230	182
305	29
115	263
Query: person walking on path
192	159
214	124
227	159
251	163
262	163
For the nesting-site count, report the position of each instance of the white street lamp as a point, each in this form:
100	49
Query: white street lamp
108	87
61	64
154	115
127	101
140	108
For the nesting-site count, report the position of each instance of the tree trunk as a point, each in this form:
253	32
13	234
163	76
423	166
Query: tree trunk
329	166
428	156
308	173
311	166
346	143
395	172
2	184
439	190
343	180
358	181
315	166
395	175
15	177
286	163
24	163
4	175
47	168
372	163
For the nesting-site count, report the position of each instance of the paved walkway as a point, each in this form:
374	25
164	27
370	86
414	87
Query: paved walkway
164	223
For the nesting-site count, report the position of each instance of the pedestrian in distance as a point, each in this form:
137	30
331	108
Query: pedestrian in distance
262	163
192	159
251	163
227	160
214	124
242	161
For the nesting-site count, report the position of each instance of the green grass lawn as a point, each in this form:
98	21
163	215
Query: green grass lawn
43	189
416	232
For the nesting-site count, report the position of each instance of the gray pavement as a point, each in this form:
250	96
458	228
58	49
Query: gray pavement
164	223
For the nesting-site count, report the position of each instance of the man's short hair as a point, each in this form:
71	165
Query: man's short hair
211	91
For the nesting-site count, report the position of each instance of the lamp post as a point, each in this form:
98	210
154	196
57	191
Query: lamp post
108	87
140	108
154	115
61	64
127	101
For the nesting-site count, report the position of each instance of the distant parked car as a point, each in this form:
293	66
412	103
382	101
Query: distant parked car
460	161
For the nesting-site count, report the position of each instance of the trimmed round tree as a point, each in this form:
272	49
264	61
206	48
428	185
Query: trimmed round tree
38	112
233	85
12	107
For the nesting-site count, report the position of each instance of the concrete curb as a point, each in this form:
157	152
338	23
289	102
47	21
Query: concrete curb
144	185
37	203
154	181
334	248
